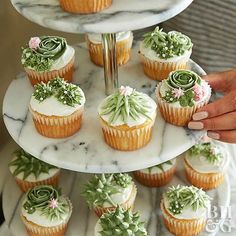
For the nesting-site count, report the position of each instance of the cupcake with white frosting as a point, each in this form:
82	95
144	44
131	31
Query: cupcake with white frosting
127	118
158	175
124	42
57	108
206	165
30	172
163	52
103	193
120	222
45	211
184	209
47	57
180	95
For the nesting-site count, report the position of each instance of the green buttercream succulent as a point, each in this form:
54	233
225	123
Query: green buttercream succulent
180	197
42	91
100	188
167	45
122	223
27	164
160	166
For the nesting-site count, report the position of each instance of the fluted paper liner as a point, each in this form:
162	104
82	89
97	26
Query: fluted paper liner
182	227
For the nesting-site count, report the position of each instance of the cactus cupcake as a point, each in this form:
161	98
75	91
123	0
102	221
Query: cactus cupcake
103	193
180	95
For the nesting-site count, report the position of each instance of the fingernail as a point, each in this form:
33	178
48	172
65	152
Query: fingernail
195	125
213	135
200	115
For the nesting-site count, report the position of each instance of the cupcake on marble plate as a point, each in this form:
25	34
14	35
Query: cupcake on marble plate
47	57
45	211
124	42
103	193
184	209
30	172
180	95
57	108
127	118
163	52
158	175
206	165
120	222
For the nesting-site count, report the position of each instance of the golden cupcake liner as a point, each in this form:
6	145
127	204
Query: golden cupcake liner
129	204
66	72
179	116
203	180
155	180
84	6
123	51
57	126
182	227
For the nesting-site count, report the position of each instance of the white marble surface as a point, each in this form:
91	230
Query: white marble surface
121	16
86	151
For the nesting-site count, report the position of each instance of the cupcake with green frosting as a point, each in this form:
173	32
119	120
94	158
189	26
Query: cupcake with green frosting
127	118
104	192
45	211
163	52
30	171
185	209
57	108
47	57
120	222
156	176
181	95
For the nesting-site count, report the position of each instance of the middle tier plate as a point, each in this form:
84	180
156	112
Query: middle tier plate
86	151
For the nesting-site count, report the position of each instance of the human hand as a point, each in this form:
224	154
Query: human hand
219	117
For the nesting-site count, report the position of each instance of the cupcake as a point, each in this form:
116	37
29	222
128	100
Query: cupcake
158	175
180	95
45	212
163	52
185	210
103	193
120	222
206	165
85	6
57	108
127	118
47	57
123	47
30	172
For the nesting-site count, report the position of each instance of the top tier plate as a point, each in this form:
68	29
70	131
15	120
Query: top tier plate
123	15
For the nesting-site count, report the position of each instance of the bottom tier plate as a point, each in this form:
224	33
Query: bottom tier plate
83	220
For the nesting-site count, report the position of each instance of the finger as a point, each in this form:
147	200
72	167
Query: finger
221	106
224	136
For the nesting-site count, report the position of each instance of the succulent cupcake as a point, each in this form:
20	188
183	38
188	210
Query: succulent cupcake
206	165
47	57
30	172
158	175
180	95
163	52
85	6
184	209
103	193
57	108
124	42
45	212
120	222
127	118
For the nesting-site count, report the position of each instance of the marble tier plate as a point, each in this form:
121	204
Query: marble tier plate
83	220
121	16
86	151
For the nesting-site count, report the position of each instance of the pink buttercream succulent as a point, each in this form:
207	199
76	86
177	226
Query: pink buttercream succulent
126	90
34	42
178	93
198	91
52	203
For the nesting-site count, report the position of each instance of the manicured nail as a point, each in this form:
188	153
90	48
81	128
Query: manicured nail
213	135
195	125
200	115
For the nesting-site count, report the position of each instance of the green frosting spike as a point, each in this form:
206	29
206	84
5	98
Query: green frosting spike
27	164
160	166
